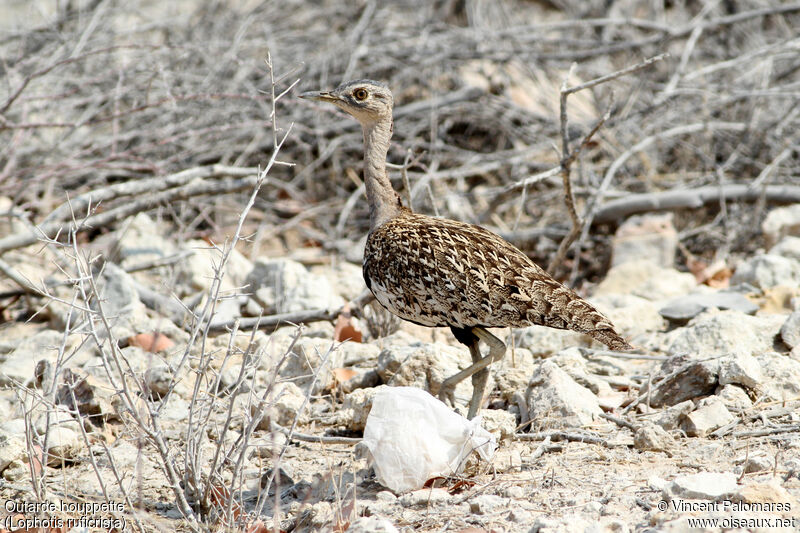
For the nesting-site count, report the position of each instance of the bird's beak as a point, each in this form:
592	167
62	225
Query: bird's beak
320	96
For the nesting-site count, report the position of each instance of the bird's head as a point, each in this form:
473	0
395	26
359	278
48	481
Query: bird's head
367	100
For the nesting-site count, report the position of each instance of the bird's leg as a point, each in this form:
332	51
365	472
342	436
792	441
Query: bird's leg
447	390
478	369
479	380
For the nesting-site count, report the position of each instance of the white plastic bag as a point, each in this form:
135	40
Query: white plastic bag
412	437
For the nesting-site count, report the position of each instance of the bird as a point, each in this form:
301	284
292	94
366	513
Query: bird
446	273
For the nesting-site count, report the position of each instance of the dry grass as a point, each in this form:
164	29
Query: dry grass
115	92
110	108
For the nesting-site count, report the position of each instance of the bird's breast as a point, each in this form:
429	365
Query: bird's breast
436	276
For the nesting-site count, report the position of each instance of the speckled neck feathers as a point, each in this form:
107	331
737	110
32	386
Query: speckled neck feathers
384	202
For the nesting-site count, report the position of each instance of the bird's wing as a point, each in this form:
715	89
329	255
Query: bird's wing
440	272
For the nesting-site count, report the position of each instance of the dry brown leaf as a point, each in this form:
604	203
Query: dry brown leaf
716	275
343	374
36	460
720	279
219	496
151	342
345	328
347	512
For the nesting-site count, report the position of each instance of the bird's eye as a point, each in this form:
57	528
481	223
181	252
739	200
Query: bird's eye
360	94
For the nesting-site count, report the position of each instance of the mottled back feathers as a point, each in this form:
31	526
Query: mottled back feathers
439	272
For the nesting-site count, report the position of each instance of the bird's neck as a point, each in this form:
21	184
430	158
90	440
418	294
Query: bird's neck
384	202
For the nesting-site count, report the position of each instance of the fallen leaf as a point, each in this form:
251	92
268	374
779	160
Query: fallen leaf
36	460
219	496
347	511
151	342
716	274
341	527
345	328
343	374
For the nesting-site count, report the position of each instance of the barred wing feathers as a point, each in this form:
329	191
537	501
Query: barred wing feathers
439	272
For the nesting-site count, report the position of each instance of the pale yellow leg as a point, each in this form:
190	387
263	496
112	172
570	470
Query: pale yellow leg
478	370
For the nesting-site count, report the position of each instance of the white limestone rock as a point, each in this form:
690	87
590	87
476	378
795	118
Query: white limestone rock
556	400
780	222
714	486
286	286
715	333
711	414
766	270
646	279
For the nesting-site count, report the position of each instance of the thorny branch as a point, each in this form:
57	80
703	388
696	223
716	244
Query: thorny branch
569	156
93	132
464	123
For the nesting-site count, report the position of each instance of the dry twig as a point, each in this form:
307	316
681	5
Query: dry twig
568	156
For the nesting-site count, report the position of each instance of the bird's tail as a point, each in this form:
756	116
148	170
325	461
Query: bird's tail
610	338
579	315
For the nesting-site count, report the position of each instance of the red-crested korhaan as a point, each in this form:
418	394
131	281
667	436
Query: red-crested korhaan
438	272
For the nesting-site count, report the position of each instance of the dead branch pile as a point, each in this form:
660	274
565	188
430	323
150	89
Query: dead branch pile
111	93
